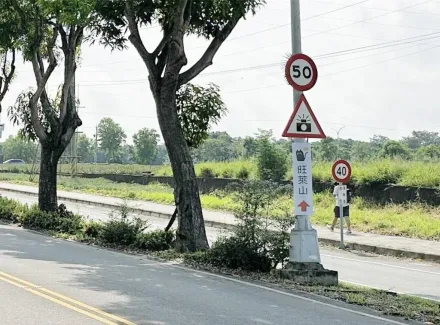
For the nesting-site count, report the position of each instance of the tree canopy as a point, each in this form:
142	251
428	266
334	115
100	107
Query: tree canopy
145	146
111	136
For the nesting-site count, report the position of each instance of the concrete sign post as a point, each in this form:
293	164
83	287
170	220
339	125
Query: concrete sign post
341	172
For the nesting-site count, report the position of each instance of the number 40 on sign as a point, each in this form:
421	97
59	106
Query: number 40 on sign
341	171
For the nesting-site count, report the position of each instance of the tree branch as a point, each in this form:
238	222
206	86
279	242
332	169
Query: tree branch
136	40
5	80
42	79
206	59
163	43
75	39
180	17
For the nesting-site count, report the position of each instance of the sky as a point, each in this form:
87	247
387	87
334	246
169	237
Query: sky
390	89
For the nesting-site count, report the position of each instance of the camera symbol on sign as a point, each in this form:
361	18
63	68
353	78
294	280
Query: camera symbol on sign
303	124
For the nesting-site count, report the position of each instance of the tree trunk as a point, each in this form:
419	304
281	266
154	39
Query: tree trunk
47	193
190	235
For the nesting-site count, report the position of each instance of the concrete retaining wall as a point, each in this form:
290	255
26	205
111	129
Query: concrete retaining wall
379	193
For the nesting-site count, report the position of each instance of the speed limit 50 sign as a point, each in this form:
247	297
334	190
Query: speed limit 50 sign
341	171
301	72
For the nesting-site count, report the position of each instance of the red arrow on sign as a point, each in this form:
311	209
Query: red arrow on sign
303	205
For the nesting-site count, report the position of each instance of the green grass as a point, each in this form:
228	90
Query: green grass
411	220
407	173
84	168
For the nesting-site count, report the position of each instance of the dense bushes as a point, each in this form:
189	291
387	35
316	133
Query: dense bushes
259	242
120	231
62	221
271	161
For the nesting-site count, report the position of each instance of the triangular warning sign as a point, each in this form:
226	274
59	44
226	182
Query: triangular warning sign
303	123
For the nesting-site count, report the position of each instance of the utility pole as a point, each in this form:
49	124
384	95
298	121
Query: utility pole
337	140
96	145
304	239
304	264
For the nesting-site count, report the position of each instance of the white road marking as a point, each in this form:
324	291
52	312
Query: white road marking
289	294
381	264
399	293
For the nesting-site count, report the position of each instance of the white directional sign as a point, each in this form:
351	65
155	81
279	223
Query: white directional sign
302	178
303	122
341	195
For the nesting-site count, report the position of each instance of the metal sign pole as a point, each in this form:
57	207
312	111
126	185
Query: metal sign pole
341	216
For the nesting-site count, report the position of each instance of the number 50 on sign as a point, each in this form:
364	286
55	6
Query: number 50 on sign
341	171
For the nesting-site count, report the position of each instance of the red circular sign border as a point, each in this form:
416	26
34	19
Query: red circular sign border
336	178
290	80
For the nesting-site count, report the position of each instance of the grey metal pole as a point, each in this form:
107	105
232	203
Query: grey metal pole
341	217
296	39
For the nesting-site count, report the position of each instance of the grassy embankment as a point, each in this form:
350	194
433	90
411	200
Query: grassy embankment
411	220
408	173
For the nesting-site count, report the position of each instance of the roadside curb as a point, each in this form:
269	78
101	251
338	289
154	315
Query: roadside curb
221	225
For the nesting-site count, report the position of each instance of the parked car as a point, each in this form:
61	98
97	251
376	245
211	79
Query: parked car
14	161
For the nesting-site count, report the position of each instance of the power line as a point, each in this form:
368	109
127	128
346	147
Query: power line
288	24
239	121
280	64
374	17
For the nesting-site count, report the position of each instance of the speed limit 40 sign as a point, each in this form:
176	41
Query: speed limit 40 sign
341	171
301	72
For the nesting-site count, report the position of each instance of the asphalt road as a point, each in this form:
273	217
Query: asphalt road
114	288
398	275
19	307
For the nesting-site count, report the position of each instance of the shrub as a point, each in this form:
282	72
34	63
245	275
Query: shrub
271	161
207	172
227	173
155	241
258	242
122	231
232	253
92	229
61	220
243	173
8	209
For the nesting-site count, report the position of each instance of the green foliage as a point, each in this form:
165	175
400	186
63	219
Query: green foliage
111	27
243	173
62	220
219	146
198	108
92	229
394	149
145	145
19	148
122	230
207	172
155	241
86	148
20	115
111	136
429	152
258	242
325	150
419	139
231	253
271	161
9	210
